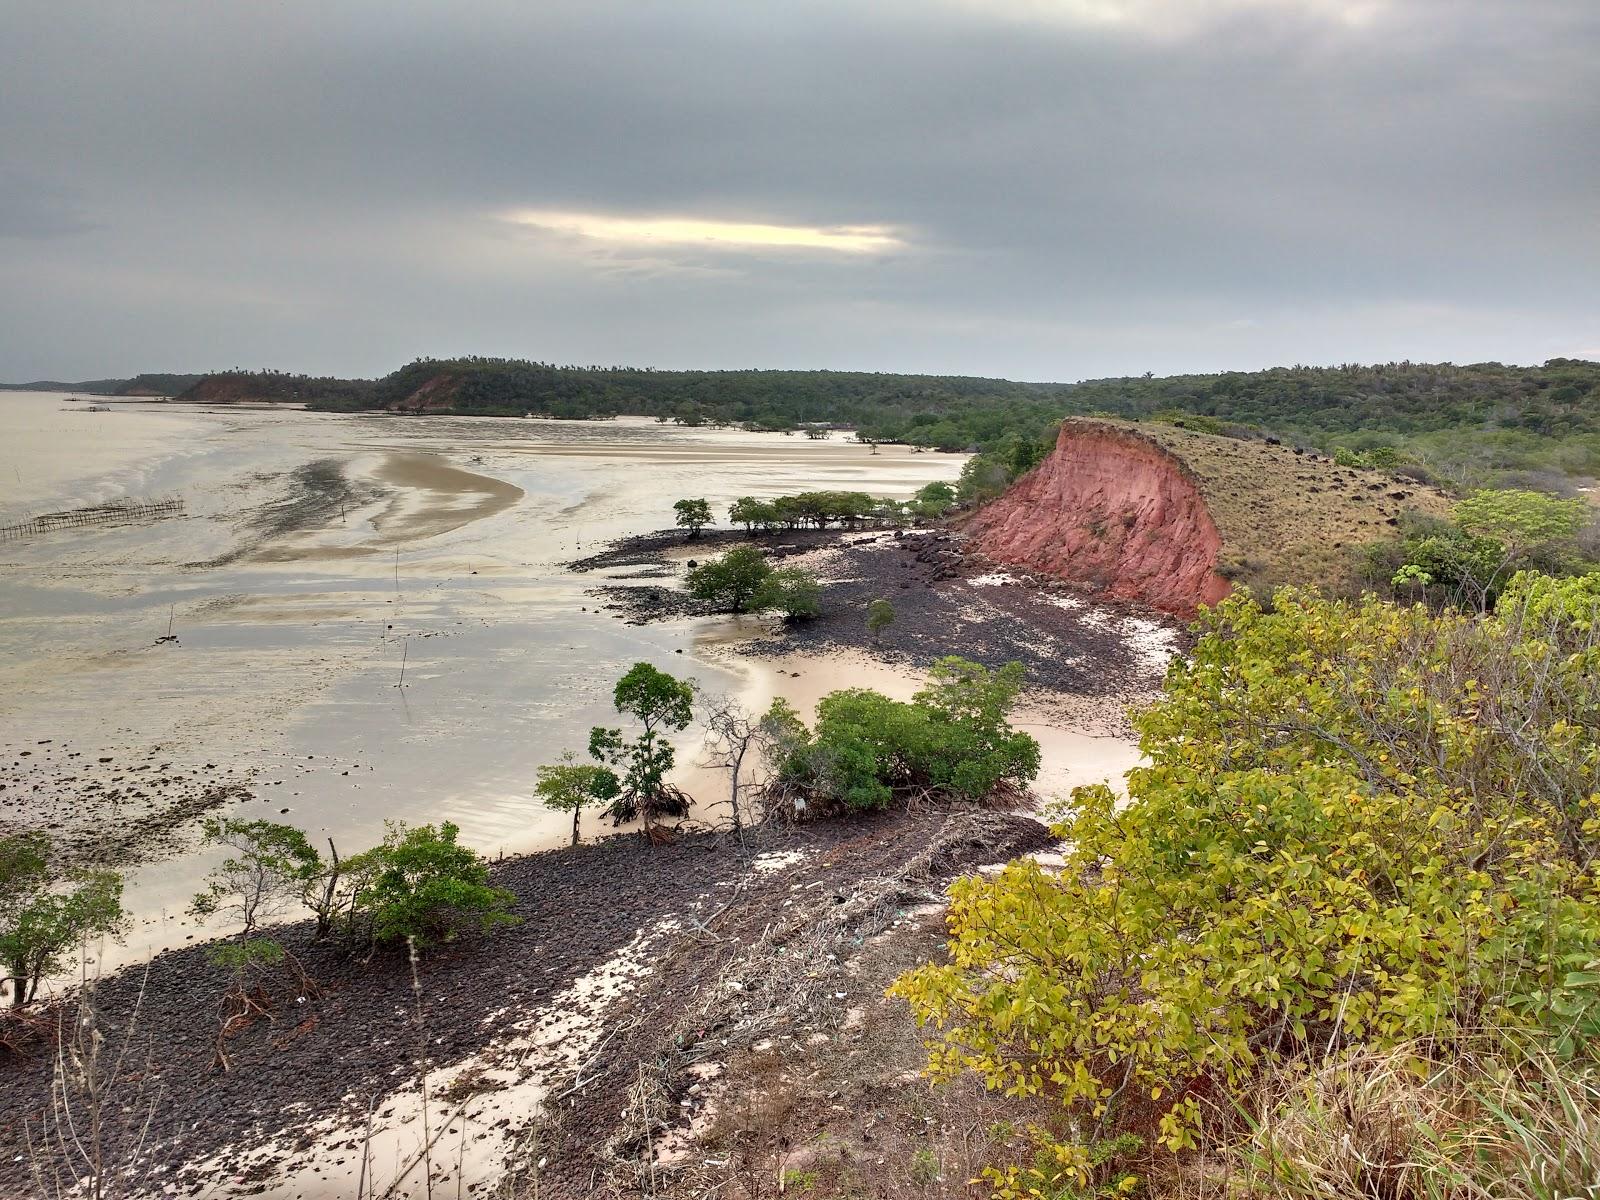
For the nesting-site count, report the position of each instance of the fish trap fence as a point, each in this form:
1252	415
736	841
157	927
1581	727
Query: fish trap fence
95	516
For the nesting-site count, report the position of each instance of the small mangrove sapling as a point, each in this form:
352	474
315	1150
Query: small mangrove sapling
571	786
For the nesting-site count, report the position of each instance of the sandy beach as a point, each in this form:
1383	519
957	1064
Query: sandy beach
356	620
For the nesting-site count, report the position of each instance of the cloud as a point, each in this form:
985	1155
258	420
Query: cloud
713	234
1039	190
1174	18
30	208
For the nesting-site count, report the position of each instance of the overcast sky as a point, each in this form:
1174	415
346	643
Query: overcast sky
1039	189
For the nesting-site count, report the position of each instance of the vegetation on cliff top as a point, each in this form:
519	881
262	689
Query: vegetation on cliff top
1285	516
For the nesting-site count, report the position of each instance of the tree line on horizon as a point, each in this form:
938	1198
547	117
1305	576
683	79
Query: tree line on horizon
1471	419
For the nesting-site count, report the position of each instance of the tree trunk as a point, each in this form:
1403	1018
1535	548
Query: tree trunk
576	813
733	798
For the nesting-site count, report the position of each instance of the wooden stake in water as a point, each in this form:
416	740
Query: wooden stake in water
405	653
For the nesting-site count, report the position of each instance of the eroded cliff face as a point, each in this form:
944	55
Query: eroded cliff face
223	389
1111	509
437	393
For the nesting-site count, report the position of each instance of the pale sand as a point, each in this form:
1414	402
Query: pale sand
444	497
421	495
1070	757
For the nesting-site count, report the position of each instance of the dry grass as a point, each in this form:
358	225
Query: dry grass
1287	517
1397	1126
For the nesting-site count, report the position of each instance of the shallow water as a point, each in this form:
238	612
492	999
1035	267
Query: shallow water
370	611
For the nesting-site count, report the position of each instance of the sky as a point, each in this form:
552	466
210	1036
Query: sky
1034	189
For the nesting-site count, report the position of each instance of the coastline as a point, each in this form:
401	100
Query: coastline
1087	661
602	932
604	924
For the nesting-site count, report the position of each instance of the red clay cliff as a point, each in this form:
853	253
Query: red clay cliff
1112	509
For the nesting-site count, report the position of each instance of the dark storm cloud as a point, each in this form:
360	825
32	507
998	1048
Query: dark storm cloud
1061	188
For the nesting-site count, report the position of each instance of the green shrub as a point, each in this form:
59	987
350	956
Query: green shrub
820	509
419	884
1522	521
754	514
983	477
933	500
693	515
1360	824
732	580
880	615
1064	1171
924	1167
1492	534
270	868
243	955
793	591
45	916
570	786
951	738
1467	569
659	702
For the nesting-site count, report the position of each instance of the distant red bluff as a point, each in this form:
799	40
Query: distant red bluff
1111	508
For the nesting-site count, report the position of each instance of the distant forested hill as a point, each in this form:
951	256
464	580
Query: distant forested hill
1484	423
90	387
280	387
156	384
1559	398
1485	414
150	384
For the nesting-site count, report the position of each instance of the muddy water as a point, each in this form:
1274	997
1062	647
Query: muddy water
370	612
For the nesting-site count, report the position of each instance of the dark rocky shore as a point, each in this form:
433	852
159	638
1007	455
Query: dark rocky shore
112	807
354	1039
1072	642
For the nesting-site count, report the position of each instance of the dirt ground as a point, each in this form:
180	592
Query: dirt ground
763	1057
346	1046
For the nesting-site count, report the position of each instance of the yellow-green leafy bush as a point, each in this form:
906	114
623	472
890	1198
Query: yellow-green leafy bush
1361	824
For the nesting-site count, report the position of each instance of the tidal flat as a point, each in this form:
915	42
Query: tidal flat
340	621
315	556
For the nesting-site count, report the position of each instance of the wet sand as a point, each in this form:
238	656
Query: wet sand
56	454
441	497
294	616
